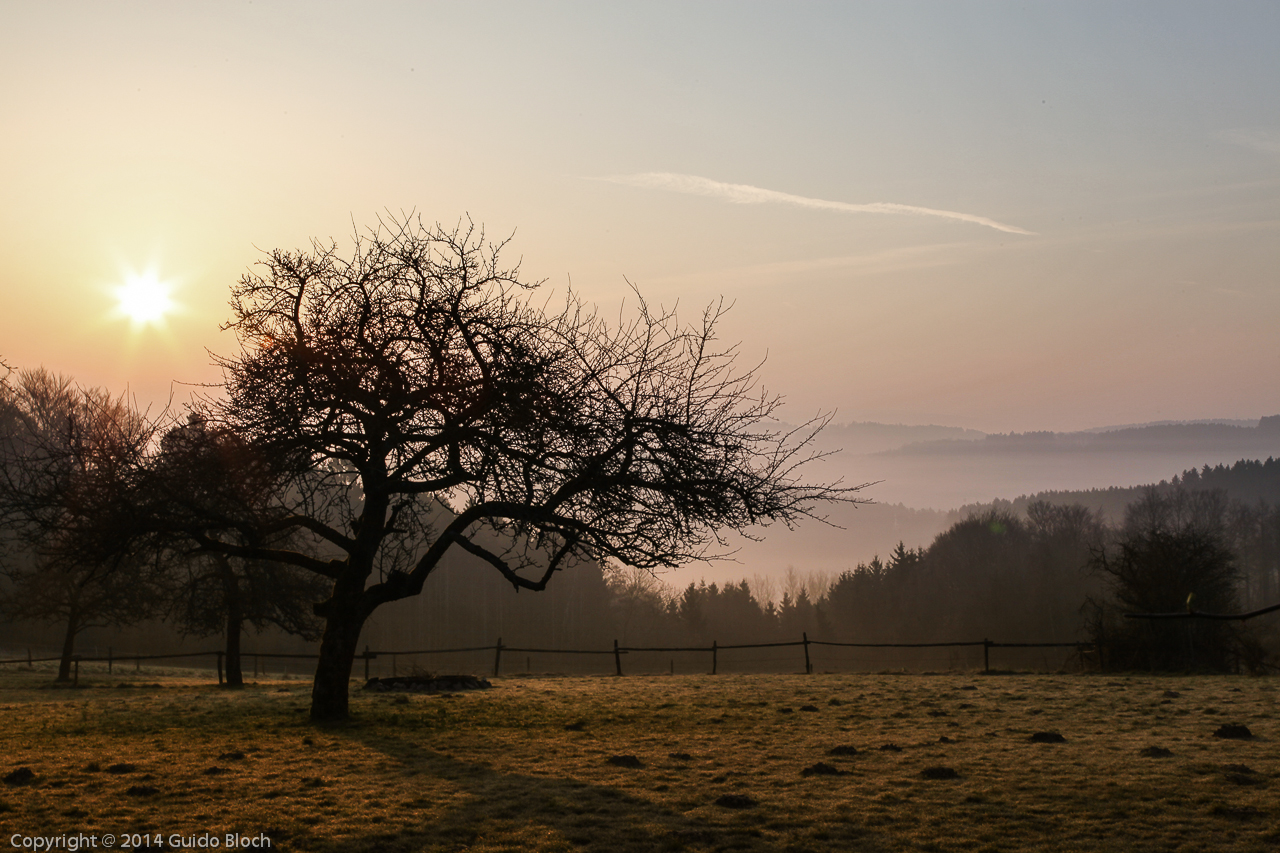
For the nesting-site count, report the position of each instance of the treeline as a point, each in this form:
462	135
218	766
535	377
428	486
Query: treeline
1060	567
993	575
1034	577
1051	573
1247	482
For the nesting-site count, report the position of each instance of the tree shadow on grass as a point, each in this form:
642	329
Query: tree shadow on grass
493	810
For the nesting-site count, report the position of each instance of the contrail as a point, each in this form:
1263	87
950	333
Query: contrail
747	194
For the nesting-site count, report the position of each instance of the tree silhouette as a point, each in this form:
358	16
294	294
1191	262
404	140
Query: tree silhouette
210	479
1172	555
68	456
419	375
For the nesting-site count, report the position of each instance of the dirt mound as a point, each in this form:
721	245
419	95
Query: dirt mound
21	776
427	683
1233	732
939	772
735	801
625	761
1242	774
1047	737
822	769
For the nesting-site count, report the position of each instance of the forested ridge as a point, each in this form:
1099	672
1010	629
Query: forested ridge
1247	481
1024	570
1142	438
1018	571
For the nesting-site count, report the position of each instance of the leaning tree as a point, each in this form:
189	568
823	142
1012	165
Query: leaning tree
414	398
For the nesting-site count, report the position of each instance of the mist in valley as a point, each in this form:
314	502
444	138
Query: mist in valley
923	479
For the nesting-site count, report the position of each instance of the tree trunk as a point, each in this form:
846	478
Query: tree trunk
68	646
235	675
345	616
231	594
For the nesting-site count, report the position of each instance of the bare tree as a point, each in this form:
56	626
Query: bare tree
214	476
419	375
214	594
67	459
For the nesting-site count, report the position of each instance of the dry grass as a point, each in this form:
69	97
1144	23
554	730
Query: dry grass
526	766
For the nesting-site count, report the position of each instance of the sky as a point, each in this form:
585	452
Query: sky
995	215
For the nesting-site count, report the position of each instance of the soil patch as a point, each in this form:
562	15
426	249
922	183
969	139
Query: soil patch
428	683
1233	732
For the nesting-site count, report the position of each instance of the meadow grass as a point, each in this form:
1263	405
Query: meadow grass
685	762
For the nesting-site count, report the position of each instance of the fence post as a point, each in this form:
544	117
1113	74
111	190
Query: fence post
497	657
75	682
109	659
366	663
617	659
219	667
808	667
986	655
715	654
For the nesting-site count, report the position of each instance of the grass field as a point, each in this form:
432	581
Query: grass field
729	762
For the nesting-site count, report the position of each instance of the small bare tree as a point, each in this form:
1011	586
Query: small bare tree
214	476
68	457
417	376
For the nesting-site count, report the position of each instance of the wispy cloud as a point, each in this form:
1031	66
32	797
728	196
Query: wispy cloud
1268	142
747	194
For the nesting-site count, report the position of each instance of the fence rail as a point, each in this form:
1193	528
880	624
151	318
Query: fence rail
618	651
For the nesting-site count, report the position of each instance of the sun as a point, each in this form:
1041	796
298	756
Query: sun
145	299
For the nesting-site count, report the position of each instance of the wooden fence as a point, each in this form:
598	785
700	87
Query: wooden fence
1084	650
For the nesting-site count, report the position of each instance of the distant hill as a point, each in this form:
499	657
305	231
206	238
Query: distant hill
869	437
950	471
1247	440
1228	421
921	474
